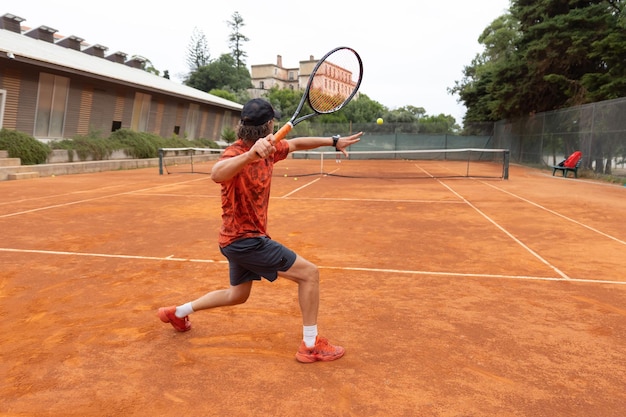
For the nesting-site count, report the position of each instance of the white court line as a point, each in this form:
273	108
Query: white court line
519	242
45	197
179	195
381	200
467	275
171	258
118	256
301	187
557	214
71	203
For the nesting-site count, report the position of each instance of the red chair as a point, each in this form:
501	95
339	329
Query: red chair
572	163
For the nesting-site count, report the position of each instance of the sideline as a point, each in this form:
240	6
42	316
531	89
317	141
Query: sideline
509	234
557	214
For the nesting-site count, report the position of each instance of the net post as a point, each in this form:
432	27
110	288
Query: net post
161	161
505	168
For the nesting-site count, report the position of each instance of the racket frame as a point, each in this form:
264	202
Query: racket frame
286	128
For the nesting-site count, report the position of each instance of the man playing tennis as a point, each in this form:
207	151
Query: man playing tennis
245	173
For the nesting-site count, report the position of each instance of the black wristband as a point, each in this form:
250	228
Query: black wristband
335	140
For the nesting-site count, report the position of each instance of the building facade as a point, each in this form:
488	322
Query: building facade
54	87
330	79
267	76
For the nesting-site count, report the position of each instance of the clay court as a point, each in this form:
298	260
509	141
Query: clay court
452	297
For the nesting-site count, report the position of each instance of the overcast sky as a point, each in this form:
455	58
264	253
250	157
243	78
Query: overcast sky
412	51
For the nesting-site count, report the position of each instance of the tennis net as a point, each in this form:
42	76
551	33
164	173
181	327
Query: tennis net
396	164
402	164
187	160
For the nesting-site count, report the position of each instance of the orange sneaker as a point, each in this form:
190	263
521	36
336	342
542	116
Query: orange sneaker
322	351
167	315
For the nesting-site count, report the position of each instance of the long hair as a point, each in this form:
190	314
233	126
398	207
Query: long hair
253	133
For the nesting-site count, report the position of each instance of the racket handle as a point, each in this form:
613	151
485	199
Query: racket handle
283	131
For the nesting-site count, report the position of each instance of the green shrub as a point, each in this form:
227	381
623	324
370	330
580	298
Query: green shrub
27	148
229	135
87	146
176	142
138	144
134	144
205	143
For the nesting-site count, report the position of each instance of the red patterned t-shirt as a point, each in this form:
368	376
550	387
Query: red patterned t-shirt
245	197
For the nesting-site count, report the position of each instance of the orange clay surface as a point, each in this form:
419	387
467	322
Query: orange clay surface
452	297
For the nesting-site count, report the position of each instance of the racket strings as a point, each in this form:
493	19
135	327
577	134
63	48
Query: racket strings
335	81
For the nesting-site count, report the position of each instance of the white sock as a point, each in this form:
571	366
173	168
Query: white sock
310	334
184	310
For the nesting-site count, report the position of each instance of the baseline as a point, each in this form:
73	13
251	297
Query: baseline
342	268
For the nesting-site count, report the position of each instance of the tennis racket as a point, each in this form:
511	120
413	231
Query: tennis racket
334	81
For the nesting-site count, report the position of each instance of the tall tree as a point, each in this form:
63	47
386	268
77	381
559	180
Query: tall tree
546	55
441	123
556	42
221	74
475	89
198	51
236	39
609	80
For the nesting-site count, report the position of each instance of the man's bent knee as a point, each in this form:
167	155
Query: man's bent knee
302	271
238	294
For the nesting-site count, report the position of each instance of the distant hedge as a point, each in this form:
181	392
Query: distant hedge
135	144
146	145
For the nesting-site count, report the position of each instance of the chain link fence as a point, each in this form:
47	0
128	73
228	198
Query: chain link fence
598	130
541	140
399	136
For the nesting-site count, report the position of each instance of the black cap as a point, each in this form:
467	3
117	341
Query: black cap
258	111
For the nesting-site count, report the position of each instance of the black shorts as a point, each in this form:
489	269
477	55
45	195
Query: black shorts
256	258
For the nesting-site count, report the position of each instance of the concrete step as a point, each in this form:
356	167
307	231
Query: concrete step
4	154
22	175
10	162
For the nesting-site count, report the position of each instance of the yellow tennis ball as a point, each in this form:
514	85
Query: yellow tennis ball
379	121
295	179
